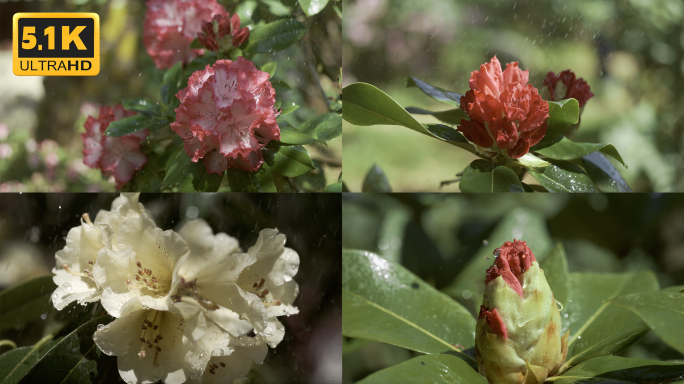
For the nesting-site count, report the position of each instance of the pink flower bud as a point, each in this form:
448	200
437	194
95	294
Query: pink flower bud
569	87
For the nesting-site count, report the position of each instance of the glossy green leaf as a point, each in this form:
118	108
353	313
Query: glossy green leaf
376	181
290	161
324	127
618	370
287	109
243	181
16	363
75	359
559	147
26	301
275	36
598	327
290	135
313	181
603	173
438	369
452	116
555	267
531	161
366	105
270	67
563	176
484	176
333	188
312	7
142	105
662	311
190	176
520	224
437	93
562	115
135	123
385	302
171	84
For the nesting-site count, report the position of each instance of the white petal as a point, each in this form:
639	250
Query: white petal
229	321
236	365
207	250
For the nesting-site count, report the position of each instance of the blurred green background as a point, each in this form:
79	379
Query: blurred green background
630	52
41	118
436	235
34	226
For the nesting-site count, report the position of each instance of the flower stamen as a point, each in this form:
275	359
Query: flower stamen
86	272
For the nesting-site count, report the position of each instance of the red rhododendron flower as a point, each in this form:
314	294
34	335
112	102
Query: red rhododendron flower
223	25
226	115
114	156
513	259
171	25
569	87
504	109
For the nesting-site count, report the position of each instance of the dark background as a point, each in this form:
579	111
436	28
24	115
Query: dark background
33	227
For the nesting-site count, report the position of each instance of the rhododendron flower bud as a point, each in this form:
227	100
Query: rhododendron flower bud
227	115
171	26
517	339
114	156
507	115
213	32
567	86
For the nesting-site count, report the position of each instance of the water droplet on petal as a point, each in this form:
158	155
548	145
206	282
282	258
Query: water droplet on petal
100	326
217	352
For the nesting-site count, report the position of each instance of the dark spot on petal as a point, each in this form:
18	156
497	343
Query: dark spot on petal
415	285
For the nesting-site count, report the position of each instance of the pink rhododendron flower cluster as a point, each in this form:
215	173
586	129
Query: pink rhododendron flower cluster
223	25
504	109
171	25
114	156
569	87
226	115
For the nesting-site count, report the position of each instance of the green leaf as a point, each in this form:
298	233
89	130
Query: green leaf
603	173
662	311
135	123
385	302
484	176
598	327
438	369
142	105
559	147
531	161
290	135
190	176
75	359
366	105
277	8
270	67
26	301
333	188
313	181
452	116
243	181
275	36
171	84
312	7
290	161
15	363
520	224
437	93
562	176
562	115
288	109
324	127
555	267
376	181
625	370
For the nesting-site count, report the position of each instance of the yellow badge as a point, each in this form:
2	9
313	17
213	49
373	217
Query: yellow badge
56	44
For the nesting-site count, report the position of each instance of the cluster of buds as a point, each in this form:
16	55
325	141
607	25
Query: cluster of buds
223	32
517	338
566	86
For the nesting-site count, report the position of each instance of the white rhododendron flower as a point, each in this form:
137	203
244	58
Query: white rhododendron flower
231	356
256	285
154	345
185	303
139	262
75	263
